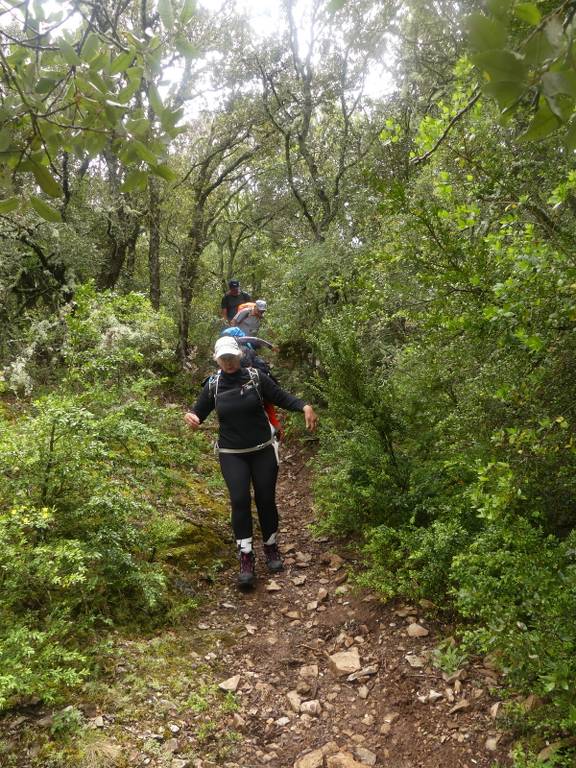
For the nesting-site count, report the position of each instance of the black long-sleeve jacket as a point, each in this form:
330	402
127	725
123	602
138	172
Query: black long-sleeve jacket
242	419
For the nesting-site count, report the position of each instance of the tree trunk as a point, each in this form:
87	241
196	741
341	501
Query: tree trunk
154	247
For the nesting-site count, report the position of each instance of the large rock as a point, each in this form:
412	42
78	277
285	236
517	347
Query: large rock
345	662
417	630
343	760
366	756
231	684
311	760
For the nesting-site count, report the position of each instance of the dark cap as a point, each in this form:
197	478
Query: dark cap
233	283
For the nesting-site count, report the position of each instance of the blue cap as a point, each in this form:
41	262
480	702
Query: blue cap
234	331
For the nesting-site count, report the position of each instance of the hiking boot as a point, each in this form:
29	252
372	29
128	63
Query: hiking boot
247	574
273	557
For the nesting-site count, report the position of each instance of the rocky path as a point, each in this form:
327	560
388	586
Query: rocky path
302	672
328	677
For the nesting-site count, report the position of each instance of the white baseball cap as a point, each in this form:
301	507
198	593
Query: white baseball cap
261	305
226	346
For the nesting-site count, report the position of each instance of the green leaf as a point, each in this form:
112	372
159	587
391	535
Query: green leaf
554	32
562	106
188	11
144	153
485	34
499	8
169	117
101	63
543	123
5	140
166	13
504	92
91	47
7	206
186	48
155	100
69	54
500	65
537	49
45	85
528	12
97	81
46	181
563	82
570	138
45	211
164	172
135	180
139	127
121	63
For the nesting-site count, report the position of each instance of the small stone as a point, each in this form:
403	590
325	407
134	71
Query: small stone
345	662
174	728
282	721
434	696
203	626
293	615
363	692
231	684
312	605
250	628
341	590
170	746
417	630
364	672
494	709
416	662
294	700
98	722
273	586
310	670
299	580
463	704
491	743
238	720
312	707
365	756
368	719
322	594
179	763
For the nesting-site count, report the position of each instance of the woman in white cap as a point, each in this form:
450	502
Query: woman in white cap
246	448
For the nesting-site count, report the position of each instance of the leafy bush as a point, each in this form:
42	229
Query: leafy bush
87	478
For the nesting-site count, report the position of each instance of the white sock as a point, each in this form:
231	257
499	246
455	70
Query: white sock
272	539
244	545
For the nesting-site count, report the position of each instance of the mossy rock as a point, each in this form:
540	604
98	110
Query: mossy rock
197	546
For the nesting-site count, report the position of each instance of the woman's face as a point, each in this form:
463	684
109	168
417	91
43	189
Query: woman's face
229	363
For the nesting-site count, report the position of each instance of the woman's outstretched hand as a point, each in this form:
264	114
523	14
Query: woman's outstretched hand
192	420
310	418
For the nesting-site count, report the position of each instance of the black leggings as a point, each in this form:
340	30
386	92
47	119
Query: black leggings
261	469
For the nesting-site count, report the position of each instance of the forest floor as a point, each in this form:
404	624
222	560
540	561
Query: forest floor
304	671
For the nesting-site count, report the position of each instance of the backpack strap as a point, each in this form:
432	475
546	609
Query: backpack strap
255	379
213	382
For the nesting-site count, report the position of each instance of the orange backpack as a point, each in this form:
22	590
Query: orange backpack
246	305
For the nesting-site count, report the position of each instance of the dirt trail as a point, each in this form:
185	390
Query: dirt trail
399	712
161	705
